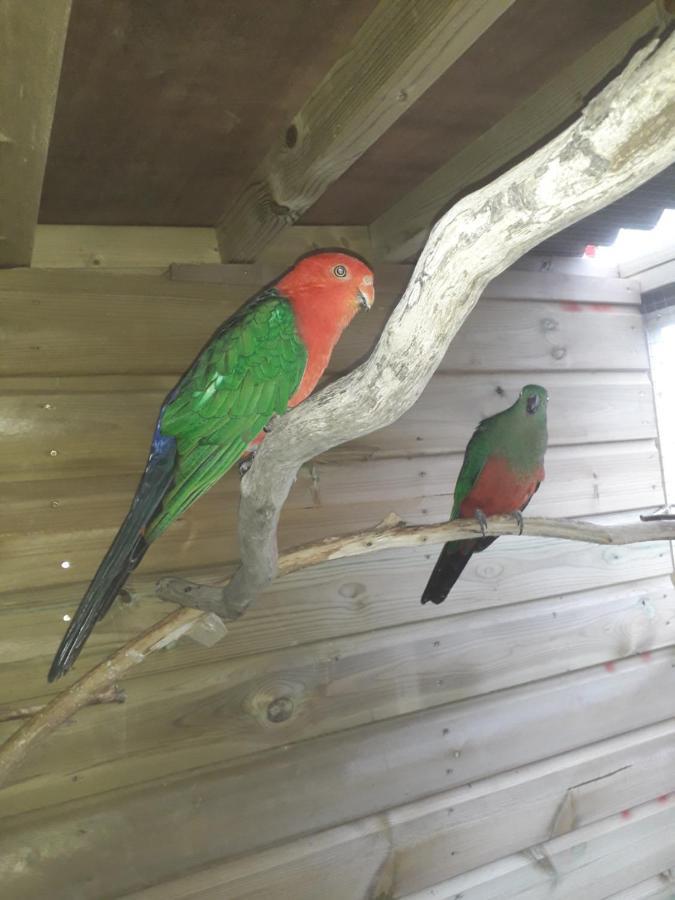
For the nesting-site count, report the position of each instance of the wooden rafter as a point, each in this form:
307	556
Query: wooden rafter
32	37
399	52
400	232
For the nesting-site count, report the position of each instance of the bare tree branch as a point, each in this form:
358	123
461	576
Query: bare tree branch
95	685
625	136
111	694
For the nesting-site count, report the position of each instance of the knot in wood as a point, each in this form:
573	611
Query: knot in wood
291	136
280	709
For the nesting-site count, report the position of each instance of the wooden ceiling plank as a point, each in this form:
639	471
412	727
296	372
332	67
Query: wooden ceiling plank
399	52
129	248
400	232
32	37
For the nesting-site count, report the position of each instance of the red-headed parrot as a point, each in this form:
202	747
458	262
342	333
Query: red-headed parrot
263	360
503	467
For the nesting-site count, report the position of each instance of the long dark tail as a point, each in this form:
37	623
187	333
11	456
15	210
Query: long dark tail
449	566
125	553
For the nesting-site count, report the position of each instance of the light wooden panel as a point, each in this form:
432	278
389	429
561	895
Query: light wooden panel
400	232
326	687
44	523
365	679
397	54
102	425
446	834
311	785
601	858
660	887
87	323
539	279
329	603
581	479
126	248
32	37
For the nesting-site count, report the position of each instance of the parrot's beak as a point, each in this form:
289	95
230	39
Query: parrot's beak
366	295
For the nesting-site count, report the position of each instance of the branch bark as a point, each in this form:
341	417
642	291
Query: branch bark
625	136
96	685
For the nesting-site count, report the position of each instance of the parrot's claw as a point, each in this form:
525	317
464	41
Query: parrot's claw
518	516
479	516
246	462
270	425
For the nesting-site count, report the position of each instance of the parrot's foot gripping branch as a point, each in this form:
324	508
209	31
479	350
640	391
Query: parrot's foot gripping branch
479	516
518	516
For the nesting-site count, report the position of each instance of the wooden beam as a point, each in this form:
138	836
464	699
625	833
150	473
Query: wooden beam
121	247
151	250
399	52
32	37
400	232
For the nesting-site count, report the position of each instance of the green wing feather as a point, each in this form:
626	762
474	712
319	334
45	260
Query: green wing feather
475	457
245	375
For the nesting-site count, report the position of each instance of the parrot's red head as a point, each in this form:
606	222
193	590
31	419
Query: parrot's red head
331	282
326	290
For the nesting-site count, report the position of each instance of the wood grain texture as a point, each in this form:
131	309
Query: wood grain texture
32	37
659	887
579	285
600	858
175	108
400	232
115	248
67	323
335	600
399	51
324	688
100	426
483	87
262	799
427	841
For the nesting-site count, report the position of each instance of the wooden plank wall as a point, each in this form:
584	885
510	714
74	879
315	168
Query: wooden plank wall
417	744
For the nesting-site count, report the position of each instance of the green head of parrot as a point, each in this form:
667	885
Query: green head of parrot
533	399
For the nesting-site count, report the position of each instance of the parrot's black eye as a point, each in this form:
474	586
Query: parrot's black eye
532	403
340	271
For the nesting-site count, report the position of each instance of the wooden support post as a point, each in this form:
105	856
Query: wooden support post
32	37
400	51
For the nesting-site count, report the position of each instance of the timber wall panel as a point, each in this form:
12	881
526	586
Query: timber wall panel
445	835
299	788
371	679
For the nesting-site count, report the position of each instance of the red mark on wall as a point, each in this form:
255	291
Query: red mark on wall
664	798
601	307
610	666
571	306
646	656
626	814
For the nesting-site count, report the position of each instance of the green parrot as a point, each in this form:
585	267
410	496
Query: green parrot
502	469
262	361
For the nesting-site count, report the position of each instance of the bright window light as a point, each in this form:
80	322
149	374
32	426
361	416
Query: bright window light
631	243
